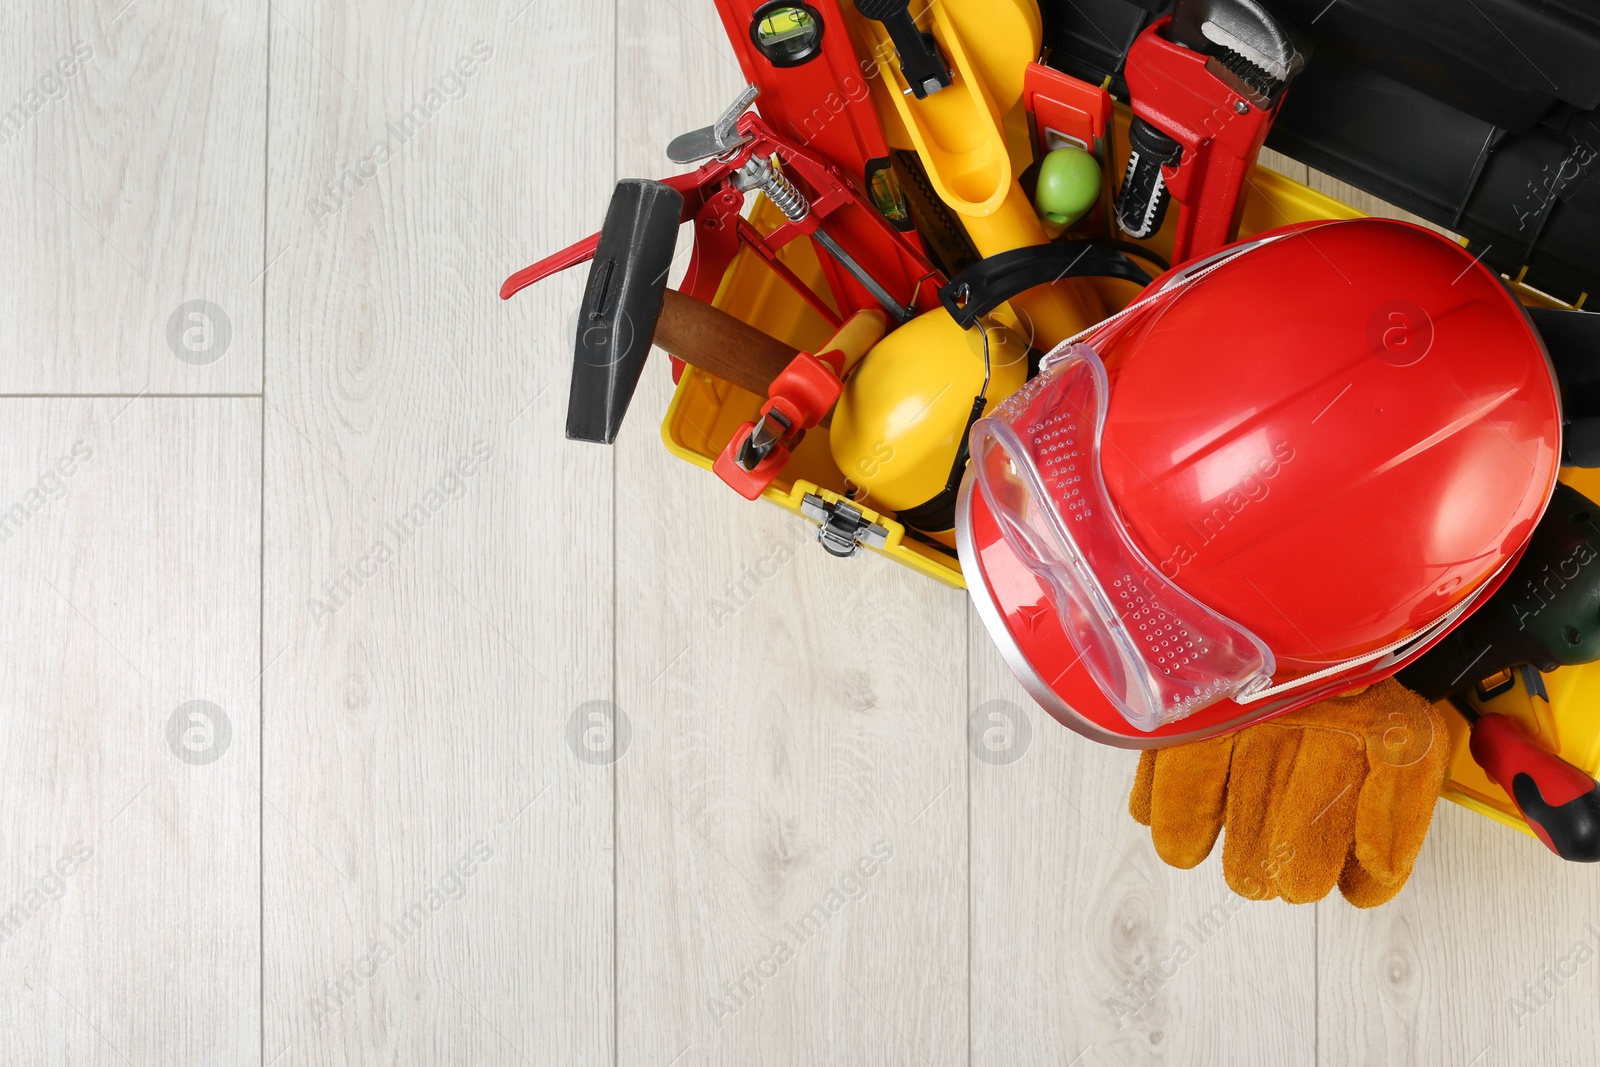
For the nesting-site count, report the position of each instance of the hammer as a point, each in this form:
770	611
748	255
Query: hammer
627	307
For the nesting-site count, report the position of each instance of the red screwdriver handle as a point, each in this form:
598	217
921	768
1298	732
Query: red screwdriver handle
1559	802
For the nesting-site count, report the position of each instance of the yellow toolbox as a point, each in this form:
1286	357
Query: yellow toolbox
705	411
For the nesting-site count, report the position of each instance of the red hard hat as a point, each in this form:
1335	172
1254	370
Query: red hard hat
1285	471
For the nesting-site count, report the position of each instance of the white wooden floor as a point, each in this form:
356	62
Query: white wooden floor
480	772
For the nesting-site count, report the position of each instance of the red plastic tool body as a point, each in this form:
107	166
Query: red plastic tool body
824	104
1221	133
1504	750
802	393
1063	107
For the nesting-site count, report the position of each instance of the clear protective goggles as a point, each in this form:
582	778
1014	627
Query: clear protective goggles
1155	651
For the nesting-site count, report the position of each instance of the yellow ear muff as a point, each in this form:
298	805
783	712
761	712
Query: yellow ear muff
905	409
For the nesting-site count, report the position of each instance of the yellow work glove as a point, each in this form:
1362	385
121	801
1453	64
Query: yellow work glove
1341	791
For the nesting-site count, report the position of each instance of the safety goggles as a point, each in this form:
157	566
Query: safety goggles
1156	653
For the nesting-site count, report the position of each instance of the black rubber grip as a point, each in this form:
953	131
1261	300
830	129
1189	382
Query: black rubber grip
990	282
924	69
1573	340
1142	202
1573	828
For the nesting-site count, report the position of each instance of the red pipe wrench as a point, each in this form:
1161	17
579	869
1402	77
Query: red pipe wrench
1205	86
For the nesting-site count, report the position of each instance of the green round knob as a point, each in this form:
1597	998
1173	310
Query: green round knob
1069	185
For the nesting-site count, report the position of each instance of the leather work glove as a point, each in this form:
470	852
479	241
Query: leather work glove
1340	791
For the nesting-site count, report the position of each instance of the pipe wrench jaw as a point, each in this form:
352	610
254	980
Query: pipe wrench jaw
1248	44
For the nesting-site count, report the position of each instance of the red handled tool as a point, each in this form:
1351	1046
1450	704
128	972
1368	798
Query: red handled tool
1503	638
868	262
1069	112
1559	802
1205	85
813	88
798	398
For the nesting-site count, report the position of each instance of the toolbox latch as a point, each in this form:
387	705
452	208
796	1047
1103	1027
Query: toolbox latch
842	529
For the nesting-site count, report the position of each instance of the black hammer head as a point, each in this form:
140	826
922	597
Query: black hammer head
621	304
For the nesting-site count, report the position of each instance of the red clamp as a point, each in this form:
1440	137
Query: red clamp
798	399
713	202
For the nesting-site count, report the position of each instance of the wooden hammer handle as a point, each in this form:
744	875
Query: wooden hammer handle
719	344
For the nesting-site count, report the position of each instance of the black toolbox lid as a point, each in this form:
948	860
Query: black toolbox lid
1478	115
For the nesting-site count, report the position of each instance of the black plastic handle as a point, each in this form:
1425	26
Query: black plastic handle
924	69
1559	802
1573	340
1142	201
1571	828
992	281
621	304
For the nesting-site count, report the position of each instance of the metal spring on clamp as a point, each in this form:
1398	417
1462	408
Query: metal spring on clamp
759	174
